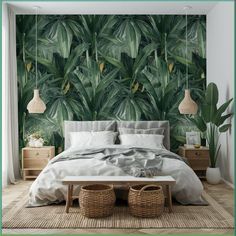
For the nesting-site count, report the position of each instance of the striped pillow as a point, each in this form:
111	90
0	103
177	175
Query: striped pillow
141	131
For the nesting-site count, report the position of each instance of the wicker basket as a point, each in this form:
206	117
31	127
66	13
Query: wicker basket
146	200
96	200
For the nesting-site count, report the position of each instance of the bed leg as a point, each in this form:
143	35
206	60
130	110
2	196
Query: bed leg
169	198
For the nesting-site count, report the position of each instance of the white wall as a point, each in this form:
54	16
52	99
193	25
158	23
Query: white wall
220	70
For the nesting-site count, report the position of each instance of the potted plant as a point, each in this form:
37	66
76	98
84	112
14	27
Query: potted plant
212	122
35	140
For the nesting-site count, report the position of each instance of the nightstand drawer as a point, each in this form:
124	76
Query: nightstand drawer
35	163
198	159
196	154
36	153
198	164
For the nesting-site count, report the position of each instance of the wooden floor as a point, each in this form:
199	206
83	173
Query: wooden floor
222	193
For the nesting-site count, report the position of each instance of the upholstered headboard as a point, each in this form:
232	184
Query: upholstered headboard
76	126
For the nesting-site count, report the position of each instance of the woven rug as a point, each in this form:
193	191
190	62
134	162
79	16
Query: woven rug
16	215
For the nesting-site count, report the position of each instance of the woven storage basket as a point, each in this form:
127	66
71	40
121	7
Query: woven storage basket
146	200
96	200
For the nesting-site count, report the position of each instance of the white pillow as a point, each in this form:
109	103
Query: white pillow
142	140
86	139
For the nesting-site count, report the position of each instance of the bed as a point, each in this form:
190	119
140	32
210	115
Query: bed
132	151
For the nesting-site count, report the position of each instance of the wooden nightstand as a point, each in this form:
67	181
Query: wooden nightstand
198	158
35	159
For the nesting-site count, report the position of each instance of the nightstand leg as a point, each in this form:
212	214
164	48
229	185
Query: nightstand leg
68	200
169	198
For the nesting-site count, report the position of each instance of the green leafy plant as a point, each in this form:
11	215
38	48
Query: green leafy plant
211	120
131	100
36	135
93	67
95	91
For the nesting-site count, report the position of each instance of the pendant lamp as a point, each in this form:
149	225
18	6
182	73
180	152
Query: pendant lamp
36	105
187	105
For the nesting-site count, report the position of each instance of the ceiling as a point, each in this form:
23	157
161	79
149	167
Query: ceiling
112	7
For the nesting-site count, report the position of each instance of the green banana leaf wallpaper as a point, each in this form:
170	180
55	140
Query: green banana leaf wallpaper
99	67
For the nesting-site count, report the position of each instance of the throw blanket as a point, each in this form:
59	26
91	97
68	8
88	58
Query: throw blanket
135	161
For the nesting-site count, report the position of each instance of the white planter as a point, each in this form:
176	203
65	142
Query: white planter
38	143
35	143
213	175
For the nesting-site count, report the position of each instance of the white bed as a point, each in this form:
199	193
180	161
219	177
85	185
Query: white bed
94	161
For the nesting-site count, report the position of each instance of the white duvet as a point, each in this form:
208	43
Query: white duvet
48	188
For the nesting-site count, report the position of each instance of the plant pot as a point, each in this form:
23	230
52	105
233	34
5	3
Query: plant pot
35	143
213	175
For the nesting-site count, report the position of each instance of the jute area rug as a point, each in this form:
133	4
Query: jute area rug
16	215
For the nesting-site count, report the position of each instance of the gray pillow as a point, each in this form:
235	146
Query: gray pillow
141	131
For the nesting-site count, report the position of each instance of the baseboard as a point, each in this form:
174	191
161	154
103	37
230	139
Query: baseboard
228	183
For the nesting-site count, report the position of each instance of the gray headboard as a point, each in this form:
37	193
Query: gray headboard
76	126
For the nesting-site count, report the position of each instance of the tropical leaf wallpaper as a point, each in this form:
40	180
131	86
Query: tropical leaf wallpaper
96	67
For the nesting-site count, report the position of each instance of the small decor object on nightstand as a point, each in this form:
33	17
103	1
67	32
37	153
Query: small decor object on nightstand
193	138
197	145
35	159
35	140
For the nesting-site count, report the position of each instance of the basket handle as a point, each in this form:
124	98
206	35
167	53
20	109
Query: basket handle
147	186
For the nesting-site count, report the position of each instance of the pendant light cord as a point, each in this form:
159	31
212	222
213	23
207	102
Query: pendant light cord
36	47
186	38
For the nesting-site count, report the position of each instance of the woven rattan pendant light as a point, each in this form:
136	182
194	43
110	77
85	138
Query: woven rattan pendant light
187	105
36	105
